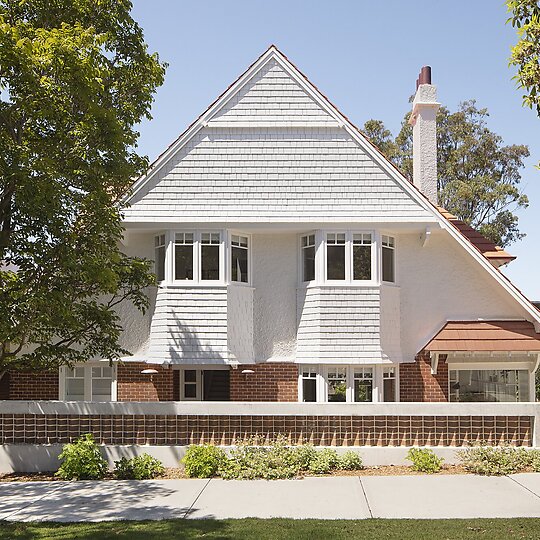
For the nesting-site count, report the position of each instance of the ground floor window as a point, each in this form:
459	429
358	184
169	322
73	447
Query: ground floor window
499	385
347	383
201	384
92	382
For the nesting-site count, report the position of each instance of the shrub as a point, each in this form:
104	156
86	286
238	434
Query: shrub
424	460
203	461
350	461
324	461
497	460
304	455
534	460
82	460
143	467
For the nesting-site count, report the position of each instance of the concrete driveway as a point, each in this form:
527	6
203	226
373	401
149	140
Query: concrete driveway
348	497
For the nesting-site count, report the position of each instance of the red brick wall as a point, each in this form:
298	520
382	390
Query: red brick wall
416	383
136	386
29	385
269	382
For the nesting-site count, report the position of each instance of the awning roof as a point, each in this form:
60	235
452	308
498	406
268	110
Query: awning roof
485	336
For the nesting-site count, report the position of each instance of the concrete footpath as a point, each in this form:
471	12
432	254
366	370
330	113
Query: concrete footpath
347	497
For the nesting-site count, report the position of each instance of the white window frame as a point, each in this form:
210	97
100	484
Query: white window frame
194	248
322	381
165	245
301	257
394	250
198	384
62	376
349	258
232	233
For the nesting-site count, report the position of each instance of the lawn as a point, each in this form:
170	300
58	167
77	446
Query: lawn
492	529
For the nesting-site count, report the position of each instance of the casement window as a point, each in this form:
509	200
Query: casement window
159	256
87	383
388	259
190	385
239	258
361	256
184	247
347	383
337	384
335	256
494	385
363	384
210	246
389	384
308	257
308	378
198	384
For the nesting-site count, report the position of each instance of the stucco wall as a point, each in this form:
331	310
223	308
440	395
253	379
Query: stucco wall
275	278
440	282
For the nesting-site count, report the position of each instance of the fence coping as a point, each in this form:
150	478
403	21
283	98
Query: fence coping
230	408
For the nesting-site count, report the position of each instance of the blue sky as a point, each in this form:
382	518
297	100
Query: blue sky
364	56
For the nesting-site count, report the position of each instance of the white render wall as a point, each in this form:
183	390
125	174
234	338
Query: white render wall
240	323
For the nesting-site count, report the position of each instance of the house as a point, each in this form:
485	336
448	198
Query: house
296	263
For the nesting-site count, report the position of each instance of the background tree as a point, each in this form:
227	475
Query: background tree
75	79
477	175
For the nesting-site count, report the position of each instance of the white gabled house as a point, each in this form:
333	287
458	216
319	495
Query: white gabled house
295	263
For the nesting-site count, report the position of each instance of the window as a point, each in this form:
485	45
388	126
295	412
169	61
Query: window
191	384
505	385
308	257
210	255
183	256
159	255
335	256
388	259
309	384
87	383
361	256
389	384
239	258
363	384
337	384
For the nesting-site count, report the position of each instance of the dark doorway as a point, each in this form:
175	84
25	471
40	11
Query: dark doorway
216	385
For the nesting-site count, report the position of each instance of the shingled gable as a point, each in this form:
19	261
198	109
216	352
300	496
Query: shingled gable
225	114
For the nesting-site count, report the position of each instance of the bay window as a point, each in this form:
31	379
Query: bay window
239	258
335	256
337	384
363	384
159	256
493	385
389	384
388	259
309	383
308	257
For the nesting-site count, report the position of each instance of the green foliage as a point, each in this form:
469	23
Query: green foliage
82	460
75	82
478	176
143	467
324	461
525	16
350	461
496	460
424	460
203	461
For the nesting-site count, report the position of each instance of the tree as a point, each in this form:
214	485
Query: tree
477	176
525	16
75	79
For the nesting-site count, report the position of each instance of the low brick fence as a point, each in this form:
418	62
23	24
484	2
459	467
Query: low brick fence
176	423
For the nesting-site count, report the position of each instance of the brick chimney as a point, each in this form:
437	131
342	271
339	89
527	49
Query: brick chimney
423	120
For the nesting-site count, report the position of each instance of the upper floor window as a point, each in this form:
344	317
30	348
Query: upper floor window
361	255
335	256
159	256
388	258
183	256
308	257
210	256
239	258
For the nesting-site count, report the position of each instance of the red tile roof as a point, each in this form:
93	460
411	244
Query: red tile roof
485	336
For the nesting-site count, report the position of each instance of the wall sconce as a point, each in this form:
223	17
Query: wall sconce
247	371
150	372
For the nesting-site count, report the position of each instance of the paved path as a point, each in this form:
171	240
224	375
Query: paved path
347	497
